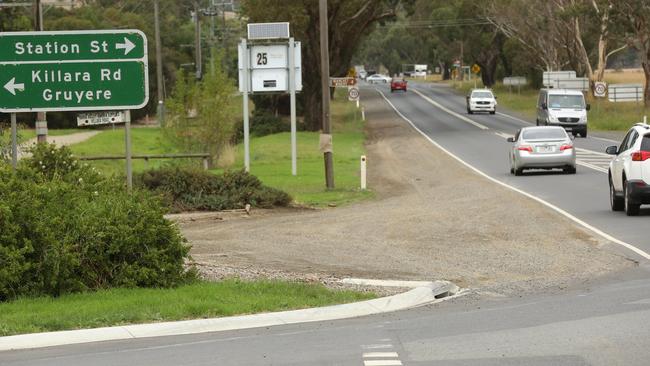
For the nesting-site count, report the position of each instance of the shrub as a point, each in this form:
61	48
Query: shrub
263	124
194	189
64	228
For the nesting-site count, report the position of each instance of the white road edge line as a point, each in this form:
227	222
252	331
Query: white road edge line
380	354
382	363
461	117
547	204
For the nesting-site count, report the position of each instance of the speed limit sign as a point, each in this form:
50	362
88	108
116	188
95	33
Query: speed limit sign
353	93
600	89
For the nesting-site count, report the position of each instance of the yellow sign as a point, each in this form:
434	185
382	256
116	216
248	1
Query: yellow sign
476	69
352	73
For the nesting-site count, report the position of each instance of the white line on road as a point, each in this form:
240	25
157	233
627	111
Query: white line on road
382	363
380	355
545	203
461	117
514	118
378	346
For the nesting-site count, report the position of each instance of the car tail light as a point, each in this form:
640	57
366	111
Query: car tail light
525	148
640	155
566	147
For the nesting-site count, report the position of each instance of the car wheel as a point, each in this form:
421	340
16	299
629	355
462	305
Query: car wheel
469	111
392	90
631	209
493	112
519	171
616	203
536	122
583	133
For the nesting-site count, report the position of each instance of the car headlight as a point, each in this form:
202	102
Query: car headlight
552	119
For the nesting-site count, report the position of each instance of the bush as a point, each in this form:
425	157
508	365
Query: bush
194	189
64	228
263	124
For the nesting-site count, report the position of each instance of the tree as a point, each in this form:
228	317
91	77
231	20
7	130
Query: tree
635	15
349	21
202	114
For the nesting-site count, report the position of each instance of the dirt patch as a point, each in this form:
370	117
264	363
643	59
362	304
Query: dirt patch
433	219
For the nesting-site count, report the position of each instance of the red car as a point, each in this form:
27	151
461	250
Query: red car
397	85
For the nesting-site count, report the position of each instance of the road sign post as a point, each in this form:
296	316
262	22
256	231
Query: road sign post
75	71
14	141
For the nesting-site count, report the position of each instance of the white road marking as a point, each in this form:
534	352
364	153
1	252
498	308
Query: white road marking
380	355
382	363
545	203
377	346
514	118
461	117
504	135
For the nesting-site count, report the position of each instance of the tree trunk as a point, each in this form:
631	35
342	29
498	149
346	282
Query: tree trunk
646	89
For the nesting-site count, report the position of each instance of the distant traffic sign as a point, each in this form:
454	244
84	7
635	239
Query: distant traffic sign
73	70
353	93
100	118
600	89
476	68
342	82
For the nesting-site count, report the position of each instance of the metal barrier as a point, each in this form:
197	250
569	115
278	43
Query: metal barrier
146	158
625	93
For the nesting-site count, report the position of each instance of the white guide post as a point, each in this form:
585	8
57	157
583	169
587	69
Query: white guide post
292	96
363	172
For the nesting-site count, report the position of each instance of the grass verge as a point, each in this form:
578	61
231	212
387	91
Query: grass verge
111	142
603	116
130	306
271	160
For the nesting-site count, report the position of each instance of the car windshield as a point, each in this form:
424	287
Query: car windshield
566	101
482	94
544	134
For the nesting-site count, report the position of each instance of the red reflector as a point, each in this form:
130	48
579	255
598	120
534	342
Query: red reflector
640	155
525	148
566	147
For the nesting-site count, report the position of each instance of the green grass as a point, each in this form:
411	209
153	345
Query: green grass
111	142
603	116
271	160
129	306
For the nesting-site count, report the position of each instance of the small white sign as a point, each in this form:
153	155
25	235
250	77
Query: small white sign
353	94
600	89
100	118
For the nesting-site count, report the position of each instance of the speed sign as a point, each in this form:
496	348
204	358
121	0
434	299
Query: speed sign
600	89
353	94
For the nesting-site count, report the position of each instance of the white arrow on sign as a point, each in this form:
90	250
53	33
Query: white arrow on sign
127	46
11	86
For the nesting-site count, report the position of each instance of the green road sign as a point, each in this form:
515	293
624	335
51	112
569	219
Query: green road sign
73	70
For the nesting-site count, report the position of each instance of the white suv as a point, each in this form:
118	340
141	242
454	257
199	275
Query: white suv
629	171
481	100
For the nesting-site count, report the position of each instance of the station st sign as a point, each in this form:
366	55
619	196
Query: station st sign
73	70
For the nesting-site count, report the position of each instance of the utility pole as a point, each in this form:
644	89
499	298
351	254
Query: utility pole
159	72
197	41
326	135
41	118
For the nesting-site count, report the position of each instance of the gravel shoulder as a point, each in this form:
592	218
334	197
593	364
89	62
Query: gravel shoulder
433	219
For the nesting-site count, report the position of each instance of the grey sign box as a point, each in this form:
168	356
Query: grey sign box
268	31
100	118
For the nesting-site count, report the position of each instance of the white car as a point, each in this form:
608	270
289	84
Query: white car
629	171
378	78
481	100
544	147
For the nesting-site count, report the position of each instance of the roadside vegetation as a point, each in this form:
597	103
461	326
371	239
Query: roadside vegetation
603	116
192	301
271	159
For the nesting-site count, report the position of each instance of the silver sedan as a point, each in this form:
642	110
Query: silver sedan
545	147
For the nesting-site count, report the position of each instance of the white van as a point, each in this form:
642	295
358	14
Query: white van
563	107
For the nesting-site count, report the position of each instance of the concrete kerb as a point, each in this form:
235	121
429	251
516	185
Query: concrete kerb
422	293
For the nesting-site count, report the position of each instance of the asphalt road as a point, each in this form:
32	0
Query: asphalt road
584	195
600	323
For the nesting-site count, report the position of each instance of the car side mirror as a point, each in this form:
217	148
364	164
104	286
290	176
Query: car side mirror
511	139
544	106
612	150
588	106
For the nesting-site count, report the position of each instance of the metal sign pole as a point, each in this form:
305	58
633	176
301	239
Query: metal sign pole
127	136
14	141
292	96
246	78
